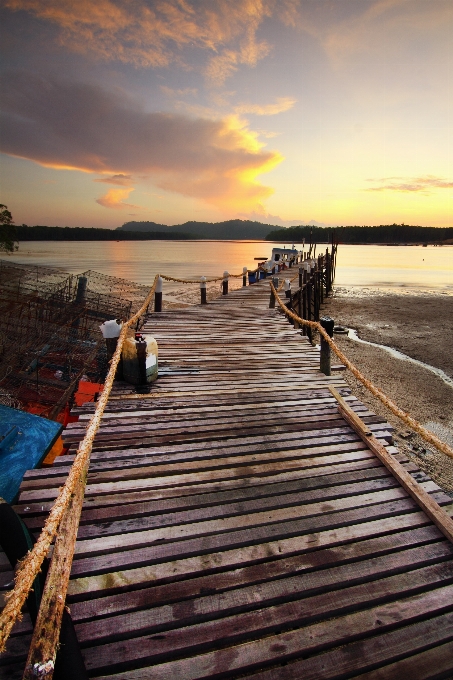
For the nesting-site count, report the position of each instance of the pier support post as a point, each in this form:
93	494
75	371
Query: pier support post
244	276
203	290
158	295
301	276
225	283
324	360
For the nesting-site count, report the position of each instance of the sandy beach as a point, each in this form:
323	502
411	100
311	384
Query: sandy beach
418	325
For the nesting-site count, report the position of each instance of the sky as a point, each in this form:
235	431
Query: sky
332	112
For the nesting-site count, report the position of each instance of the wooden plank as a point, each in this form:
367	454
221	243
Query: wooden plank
440	518
260	618
310	532
404	643
284	646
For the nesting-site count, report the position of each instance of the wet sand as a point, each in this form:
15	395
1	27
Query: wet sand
420	326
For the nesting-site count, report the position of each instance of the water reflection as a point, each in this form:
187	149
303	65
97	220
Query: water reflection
407	267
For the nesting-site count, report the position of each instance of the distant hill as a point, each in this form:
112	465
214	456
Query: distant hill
230	229
43	233
384	233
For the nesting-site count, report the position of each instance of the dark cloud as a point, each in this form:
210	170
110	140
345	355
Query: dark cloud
82	126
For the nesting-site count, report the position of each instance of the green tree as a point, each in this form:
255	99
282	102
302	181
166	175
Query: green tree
8	243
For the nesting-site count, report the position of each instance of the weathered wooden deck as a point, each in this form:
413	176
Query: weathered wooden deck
235	526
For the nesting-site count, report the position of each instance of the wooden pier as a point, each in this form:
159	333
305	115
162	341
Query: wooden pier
234	525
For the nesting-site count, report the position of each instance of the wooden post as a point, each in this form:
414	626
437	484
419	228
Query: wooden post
108	328
81	289
309	291
276	283
287	287
244	276
203	290
328	273
140	346
158	295
301	276
321	292
225	283
324	360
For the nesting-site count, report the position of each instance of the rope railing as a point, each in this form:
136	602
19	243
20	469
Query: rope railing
403	415
30	566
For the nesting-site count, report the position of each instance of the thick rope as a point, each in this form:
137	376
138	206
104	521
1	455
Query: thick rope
30	566
210	280
403	415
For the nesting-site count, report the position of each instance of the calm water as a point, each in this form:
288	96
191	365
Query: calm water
388	267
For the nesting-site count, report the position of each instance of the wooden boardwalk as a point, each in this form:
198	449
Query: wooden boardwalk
235	526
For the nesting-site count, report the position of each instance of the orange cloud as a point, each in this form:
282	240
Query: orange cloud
281	104
121	180
85	127
114	199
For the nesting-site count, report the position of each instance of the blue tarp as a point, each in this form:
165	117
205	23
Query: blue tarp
25	440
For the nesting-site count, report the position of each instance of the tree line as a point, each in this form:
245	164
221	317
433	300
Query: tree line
384	233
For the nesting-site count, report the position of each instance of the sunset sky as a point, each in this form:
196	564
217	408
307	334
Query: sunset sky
282	111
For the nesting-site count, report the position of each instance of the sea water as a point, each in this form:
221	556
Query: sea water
398	268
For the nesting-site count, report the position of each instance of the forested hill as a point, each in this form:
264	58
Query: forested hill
43	233
231	229
384	233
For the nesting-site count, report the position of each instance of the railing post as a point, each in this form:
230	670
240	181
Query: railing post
140	347
158	295
203	290
244	276
225	283
111	331
275	282
301	276
324	359
287	287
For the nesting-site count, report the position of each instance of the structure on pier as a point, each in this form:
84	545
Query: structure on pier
235	525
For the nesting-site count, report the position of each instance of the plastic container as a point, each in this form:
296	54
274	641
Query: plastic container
131	369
